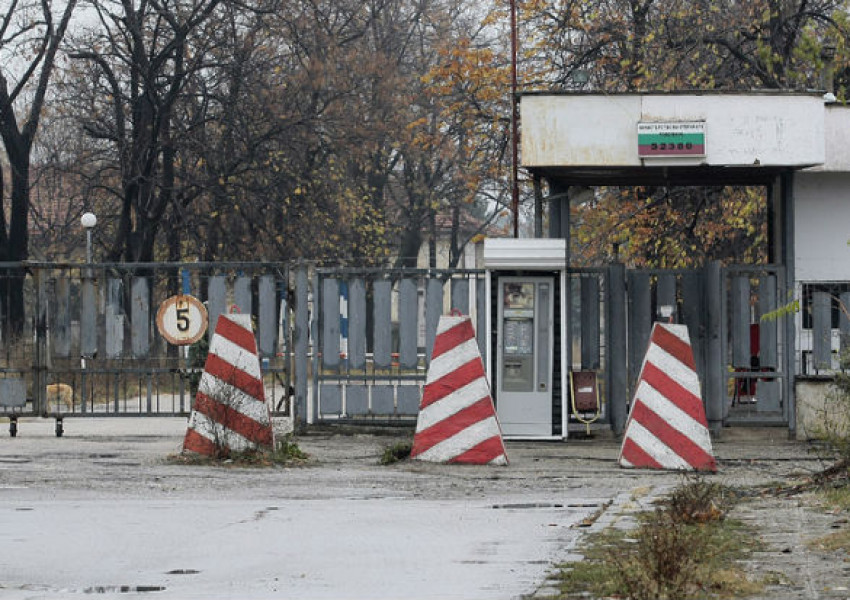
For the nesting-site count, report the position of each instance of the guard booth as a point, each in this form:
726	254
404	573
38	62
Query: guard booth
526	324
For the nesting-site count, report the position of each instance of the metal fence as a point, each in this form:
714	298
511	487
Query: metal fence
375	331
92	329
334	343
344	344
823	327
740	344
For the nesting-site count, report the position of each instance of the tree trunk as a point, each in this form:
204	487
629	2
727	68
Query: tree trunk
13	248
411	241
454	238
432	240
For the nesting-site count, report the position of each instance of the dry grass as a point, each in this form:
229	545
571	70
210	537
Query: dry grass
286	453
685	548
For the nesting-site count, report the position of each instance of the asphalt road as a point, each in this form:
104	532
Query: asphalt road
102	511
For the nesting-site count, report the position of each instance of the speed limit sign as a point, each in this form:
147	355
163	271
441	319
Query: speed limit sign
182	319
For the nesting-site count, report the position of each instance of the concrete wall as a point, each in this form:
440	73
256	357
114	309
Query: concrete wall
816	407
822	206
766	129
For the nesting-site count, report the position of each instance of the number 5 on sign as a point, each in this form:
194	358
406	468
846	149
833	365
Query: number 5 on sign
182	320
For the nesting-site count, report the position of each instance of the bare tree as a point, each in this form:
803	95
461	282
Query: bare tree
619	45
142	56
29	41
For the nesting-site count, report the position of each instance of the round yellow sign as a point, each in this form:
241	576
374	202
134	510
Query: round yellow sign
182	319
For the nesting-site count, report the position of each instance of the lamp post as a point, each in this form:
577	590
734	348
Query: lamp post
88	221
87	319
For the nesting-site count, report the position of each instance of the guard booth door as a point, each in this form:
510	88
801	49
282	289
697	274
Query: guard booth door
524	359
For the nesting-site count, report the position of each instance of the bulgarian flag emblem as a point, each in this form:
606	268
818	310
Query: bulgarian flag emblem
671	139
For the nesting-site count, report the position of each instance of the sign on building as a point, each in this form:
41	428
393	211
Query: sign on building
665	139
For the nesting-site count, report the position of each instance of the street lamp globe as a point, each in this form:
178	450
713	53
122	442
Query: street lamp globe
88	220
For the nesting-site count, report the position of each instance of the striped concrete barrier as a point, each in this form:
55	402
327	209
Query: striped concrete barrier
457	420
230	412
667	427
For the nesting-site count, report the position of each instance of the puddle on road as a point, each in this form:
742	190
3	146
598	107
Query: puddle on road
182	572
123	589
532	505
15	460
528	505
263	513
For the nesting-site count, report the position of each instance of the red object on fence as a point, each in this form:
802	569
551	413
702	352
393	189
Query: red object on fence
745	387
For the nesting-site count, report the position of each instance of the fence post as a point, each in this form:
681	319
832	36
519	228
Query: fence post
40	359
617	334
315	324
433	310
302	326
715	377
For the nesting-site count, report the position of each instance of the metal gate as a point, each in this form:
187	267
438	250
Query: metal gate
91	329
758	349
375	329
374	333
335	344
740	345
736	337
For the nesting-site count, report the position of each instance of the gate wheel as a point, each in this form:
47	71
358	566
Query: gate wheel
59	429
13	426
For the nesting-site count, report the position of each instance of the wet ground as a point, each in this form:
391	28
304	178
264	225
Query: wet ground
101	511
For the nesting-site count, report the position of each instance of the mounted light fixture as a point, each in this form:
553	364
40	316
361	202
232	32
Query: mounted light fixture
88	221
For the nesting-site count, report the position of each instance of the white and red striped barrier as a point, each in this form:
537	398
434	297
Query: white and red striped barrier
457	420
230	411
667	428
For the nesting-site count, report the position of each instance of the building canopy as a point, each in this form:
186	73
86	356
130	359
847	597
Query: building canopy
671	138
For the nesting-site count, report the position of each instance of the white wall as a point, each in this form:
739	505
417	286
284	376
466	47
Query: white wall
822	226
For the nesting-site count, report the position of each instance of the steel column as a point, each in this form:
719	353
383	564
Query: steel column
715	379
617	335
